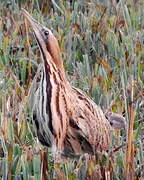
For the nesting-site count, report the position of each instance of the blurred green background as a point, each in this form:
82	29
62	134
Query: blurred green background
102	46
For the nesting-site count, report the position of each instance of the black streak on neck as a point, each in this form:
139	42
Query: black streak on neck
48	86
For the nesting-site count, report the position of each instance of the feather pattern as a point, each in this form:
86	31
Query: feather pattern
64	117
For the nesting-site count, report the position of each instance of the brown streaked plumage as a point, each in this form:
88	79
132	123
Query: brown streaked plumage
65	118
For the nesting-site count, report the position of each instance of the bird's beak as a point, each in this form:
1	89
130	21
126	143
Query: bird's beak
48	46
37	29
32	22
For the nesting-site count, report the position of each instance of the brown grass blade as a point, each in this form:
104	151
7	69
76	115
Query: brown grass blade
4	124
130	149
16	80
29	62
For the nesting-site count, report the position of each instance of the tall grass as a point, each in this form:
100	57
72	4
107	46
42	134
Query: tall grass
103	52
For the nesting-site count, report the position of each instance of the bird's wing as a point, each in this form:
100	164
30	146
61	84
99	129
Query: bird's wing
88	123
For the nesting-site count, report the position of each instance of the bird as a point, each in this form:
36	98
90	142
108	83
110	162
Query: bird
64	117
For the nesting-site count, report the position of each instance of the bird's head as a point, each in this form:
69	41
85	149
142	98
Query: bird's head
46	41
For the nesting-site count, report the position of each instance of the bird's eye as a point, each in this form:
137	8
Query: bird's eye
46	33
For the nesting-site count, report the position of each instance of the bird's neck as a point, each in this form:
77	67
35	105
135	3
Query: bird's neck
55	73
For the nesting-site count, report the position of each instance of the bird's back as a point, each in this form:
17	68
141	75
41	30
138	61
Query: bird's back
89	130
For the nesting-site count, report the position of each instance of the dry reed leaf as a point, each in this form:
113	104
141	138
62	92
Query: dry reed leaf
29	153
105	64
4	124
60	174
94	170
130	168
44	164
29	75
16	80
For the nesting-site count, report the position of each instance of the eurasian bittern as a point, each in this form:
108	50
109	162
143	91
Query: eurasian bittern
65	118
